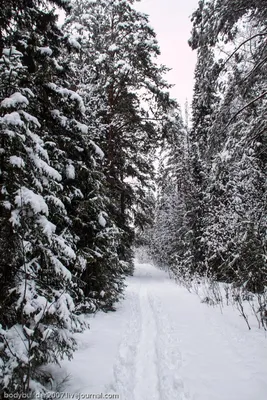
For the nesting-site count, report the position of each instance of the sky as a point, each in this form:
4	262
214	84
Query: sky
170	19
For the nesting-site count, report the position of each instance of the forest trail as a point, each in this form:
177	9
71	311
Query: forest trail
164	344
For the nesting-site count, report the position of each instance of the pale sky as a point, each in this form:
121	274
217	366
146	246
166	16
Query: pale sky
170	19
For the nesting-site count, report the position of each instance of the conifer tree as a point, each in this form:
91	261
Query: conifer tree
118	47
171	241
38	294
225	199
235	191
226	195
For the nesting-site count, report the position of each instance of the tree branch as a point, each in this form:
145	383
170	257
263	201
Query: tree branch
259	65
247	105
242	44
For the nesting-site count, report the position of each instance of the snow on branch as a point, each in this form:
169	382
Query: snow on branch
247	105
242	44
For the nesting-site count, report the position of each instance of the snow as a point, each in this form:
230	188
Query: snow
30	332
225	155
162	343
12	51
97	149
43	165
82	127
60	269
14	100
26	196
101	220
74	43
12	119
45	51
100	58
67	250
28	91
113	47
7	205
30	118
57	65
17	161
48	227
56	202
56	114
70	171
68	93
18	345
123	66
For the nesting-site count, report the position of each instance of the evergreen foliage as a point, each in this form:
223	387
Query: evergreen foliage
82	111
38	312
118	48
225	198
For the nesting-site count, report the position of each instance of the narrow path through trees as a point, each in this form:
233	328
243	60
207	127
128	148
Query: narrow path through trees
164	344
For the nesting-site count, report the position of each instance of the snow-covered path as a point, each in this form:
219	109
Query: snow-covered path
163	344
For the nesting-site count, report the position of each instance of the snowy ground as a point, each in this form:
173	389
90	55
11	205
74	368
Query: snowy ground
163	344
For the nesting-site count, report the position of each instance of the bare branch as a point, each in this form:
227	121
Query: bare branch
242	44
259	65
247	105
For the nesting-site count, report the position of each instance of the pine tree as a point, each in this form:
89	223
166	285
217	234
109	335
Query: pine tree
118	46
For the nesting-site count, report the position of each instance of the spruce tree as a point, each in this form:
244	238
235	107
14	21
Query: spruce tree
171	240
38	294
235	189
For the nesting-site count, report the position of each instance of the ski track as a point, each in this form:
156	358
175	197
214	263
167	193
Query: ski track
164	344
146	374
149	359
169	356
124	367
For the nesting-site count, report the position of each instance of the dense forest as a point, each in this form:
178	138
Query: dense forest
84	112
210	218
